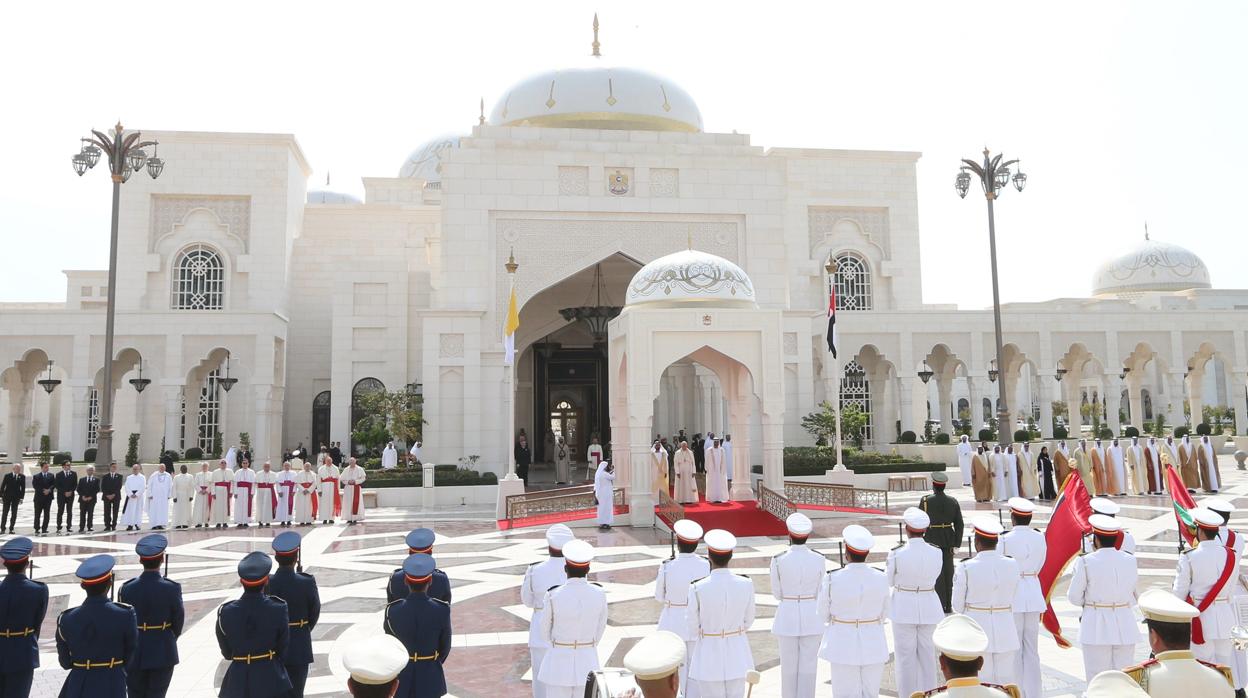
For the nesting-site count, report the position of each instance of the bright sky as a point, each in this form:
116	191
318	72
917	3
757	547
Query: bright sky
1122	112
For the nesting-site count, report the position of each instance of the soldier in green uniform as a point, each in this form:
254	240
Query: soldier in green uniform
945	532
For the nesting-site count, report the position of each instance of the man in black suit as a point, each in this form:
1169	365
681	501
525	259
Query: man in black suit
335	452
699	453
45	491
66	487
12	492
88	495
110	491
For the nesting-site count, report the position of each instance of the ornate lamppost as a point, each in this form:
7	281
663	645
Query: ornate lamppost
126	155
994	177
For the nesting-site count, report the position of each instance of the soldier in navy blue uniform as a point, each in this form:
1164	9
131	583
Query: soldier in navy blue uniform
303	603
423	625
253	633
23	604
157	604
96	640
419	541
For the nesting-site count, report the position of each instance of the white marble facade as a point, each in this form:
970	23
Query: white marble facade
604	169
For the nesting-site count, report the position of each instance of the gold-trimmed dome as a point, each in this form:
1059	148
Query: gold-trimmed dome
691	277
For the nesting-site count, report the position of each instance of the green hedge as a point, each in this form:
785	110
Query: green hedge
61	457
1203	429
412	477
806	460
942	438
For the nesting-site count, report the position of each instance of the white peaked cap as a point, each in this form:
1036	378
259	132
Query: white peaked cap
578	552
1022	506
720	541
1206	518
1161	605
656	655
799	524
960	638
1103	505
558	536
988	526
916	519
688	530
1114	684
376	660
1217	504
1103	524
858	538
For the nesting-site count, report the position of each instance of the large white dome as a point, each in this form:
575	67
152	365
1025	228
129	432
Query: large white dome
425	161
691	277
1151	267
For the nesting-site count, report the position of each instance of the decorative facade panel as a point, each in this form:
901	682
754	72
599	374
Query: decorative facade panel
664	182
234	212
573	181
872	221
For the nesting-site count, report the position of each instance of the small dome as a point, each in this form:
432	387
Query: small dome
691	277
1151	267
425	162
325	196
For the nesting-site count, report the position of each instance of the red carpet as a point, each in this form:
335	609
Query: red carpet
738	518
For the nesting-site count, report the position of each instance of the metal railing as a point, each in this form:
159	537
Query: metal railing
775	503
564	500
669	509
827	495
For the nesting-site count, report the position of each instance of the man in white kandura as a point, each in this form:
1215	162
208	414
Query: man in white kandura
1028	548
244	488
575	618
965	451
266	495
853	602
222	493
912	570
720	613
1103	585
132	504
1110	508
686	471
1116	458
286	494
1207	460
353	477
658	463
999	464
159	493
984	587
604	494
796	575
305	494
329	500
201	509
1204	579
671	588
389	457
716	474
539	578
183	498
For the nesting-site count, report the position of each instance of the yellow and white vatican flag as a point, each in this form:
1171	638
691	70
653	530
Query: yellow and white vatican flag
509	329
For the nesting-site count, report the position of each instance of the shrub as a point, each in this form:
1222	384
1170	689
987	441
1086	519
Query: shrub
371	463
194	453
173	455
987	435
132	451
88	456
1148	427
1202	429
216	445
1180	432
444	468
1022	436
1060	433
908	437
942	438
61	457
1131	432
45	448
1105	433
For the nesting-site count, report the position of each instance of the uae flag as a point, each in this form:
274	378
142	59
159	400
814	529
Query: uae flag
1183	504
1064	538
832	322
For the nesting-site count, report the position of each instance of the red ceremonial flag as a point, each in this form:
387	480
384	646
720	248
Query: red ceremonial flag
1183	504
1064	538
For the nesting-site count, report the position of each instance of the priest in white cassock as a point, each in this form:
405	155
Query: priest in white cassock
244	491
604	494
285	494
389	457
159	494
132	504
305	494
231	458
329	500
716	474
266	495
686	480
1116	459
201	508
183	498
222	492
353	477
965	451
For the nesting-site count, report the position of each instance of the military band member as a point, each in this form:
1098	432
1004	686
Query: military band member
655	662
303	606
1103	585
157	604
912	570
374	666
96	640
796	575
962	644
944	532
423	625
1204	579
853	602
1174	672
253	633
1235	541
575	618
1113	684
539	578
720	613
26	603
419	540
1027	546
1110	508
671	588
984	588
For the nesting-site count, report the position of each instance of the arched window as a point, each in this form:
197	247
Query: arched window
198	280
853	283
856	390
209	411
320	418
364	386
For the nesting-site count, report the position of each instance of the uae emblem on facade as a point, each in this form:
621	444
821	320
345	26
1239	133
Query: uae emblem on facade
618	183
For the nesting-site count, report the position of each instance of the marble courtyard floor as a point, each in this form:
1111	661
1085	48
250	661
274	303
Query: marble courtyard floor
351	564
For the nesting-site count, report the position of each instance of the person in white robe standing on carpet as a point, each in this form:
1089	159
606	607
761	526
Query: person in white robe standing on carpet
183	498
353	477
305	495
716	475
201	508
686	480
132	504
221	493
389	457
244	490
728	462
266	495
329	500
604	492
285	494
658	469
159	494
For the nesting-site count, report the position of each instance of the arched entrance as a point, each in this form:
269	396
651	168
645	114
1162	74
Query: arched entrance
320	418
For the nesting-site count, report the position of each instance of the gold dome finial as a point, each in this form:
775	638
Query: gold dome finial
511	264
596	45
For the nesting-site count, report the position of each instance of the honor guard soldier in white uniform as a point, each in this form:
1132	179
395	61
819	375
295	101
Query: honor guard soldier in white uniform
962	645
1174	672
1110	508
984	588
1204	579
575	618
375	665
796	575
1113	684
1026	545
1103	585
540	578
853	602
720	613
655	662
1235	541
912	570
671	588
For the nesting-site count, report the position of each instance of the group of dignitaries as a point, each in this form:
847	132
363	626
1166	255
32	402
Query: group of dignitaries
128	647
298	493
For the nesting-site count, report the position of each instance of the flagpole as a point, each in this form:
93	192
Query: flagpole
509	375
836	380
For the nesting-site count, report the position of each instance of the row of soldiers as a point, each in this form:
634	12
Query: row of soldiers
129	647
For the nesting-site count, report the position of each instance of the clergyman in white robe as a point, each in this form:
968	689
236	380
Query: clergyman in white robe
716	475
183	498
686	483
328	476
389	457
132	504
221	493
201	509
266	495
286	494
244	489
604	492
159	493
353	477
965	451
305	495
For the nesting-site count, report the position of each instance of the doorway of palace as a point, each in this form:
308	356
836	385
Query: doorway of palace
570	387
320	418
565	423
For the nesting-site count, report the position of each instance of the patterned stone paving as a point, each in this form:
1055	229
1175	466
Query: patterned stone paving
485	565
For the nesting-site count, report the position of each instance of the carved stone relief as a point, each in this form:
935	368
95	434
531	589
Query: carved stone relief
872	221
234	212
574	181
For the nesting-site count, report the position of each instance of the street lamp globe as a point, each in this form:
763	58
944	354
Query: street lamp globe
1020	181
136	159
155	166
963	183
80	164
92	153
1003	177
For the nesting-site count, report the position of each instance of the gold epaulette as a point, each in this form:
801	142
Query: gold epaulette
1224	670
